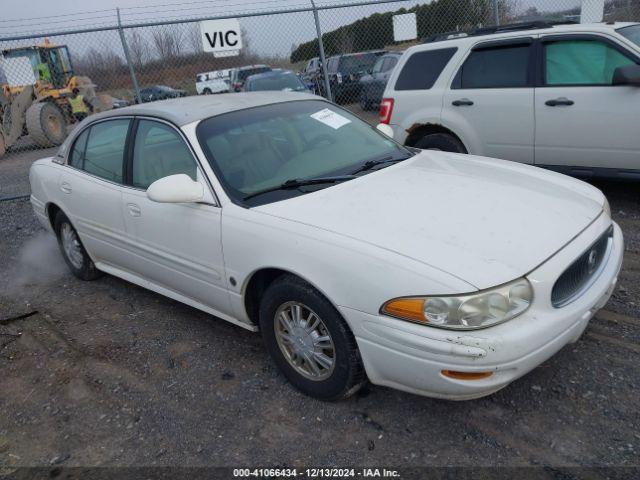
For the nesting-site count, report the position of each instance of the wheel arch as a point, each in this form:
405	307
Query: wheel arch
257	283
420	130
52	210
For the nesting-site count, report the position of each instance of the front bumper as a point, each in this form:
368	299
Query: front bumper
411	357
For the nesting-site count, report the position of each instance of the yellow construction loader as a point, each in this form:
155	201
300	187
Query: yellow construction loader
37	83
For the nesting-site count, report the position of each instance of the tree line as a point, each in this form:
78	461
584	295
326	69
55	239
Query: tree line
376	31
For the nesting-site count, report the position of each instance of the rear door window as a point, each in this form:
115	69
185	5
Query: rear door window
499	67
104	154
76	157
422	69
581	62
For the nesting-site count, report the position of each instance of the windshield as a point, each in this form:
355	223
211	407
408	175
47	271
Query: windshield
631	32
285	81
357	63
260	148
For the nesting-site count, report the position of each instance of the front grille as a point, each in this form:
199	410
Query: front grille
574	280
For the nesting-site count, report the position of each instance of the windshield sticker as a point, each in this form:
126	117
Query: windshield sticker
330	118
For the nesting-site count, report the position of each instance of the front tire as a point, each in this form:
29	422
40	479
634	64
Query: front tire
309	340
73	251
441	141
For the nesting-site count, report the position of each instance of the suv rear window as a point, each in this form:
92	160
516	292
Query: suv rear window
358	62
243	74
422	69
501	67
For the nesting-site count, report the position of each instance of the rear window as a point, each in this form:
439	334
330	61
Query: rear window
357	63
422	69
286	81
631	32
243	74
502	67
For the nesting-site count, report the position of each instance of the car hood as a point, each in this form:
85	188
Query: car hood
484	221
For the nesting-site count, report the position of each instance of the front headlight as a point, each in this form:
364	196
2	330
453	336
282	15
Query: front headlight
464	312
606	208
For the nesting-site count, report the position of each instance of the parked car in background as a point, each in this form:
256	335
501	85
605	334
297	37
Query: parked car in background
372	84
277	79
564	97
118	103
355	257
344	73
239	75
311	74
160	92
217	81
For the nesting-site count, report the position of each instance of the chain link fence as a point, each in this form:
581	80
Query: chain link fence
112	59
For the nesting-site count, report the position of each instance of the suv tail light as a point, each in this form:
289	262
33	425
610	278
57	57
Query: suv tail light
386	109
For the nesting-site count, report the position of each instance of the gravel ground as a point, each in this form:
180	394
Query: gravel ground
105	373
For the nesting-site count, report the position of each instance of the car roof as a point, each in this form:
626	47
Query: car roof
343	55
516	30
181	111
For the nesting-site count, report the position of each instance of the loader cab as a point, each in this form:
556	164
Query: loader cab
49	64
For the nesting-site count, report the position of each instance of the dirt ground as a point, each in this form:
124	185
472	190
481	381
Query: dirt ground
105	373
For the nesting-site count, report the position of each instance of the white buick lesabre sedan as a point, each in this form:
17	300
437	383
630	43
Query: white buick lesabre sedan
441	274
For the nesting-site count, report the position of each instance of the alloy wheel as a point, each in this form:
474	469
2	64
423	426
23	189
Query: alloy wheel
304	340
71	245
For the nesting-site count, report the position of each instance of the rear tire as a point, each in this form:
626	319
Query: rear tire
206	91
365	104
46	124
441	141
73	251
321	361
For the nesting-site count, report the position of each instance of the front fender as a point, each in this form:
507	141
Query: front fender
350	273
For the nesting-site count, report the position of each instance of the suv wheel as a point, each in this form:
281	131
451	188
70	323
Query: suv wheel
441	141
72	250
365	104
309	340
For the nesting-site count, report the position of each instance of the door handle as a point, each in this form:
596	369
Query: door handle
134	210
463	102
559	101
65	187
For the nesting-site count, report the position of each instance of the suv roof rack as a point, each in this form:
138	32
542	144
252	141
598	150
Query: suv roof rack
508	27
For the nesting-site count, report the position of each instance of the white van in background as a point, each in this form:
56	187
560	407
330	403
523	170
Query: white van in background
216	81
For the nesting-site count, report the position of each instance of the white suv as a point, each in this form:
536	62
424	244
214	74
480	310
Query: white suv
565	97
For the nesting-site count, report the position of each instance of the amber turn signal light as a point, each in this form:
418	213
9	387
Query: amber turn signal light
406	308
466	375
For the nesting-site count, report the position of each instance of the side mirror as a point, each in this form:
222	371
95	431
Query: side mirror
176	189
627	75
385	129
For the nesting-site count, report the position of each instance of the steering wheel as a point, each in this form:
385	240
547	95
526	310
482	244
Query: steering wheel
322	138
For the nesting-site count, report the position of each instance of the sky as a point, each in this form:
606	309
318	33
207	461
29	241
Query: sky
271	35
